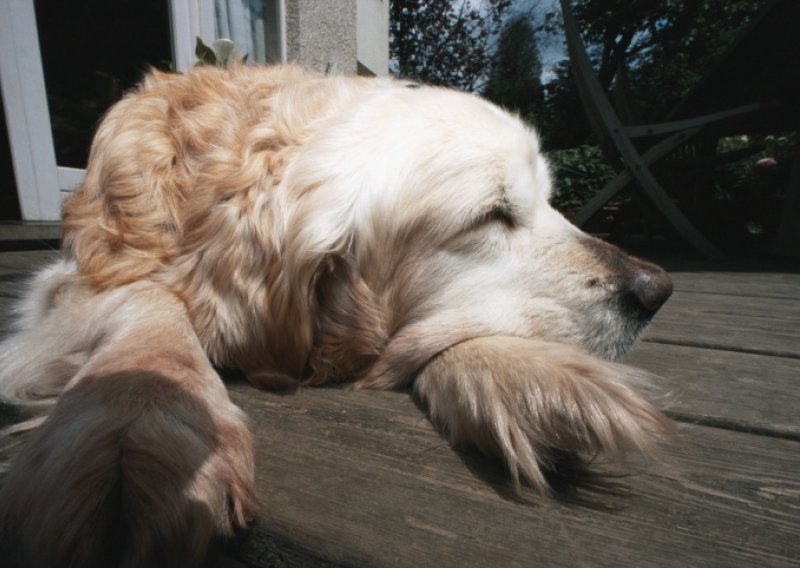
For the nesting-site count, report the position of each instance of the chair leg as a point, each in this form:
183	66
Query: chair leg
787	242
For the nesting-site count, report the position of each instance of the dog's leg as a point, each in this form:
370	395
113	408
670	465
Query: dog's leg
528	400
52	334
142	461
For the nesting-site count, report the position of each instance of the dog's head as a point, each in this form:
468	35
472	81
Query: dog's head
421	219
353	227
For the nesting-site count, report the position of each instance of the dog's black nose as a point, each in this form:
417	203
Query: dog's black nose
640	285
650	287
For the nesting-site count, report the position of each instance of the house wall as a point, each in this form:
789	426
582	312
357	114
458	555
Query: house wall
322	35
339	36
372	36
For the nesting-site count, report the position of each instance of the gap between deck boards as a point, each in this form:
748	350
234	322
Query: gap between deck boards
734	425
719	347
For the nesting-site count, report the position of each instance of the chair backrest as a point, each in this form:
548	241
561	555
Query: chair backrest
601	114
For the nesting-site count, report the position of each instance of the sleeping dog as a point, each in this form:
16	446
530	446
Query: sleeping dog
306	230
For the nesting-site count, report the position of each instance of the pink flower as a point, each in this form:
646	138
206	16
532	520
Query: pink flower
767	163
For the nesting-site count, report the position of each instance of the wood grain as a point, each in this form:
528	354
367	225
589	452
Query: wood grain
706	383
361	479
742	284
747	324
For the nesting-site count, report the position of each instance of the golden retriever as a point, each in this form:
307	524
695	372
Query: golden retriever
304	229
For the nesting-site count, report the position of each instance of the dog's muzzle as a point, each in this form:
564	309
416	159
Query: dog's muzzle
641	287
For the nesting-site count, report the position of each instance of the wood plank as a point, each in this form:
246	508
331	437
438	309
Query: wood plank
754	391
730	304
754	325
29	231
756	335
24	262
742	284
361	479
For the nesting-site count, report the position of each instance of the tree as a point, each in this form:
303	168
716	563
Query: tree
444	42
563	122
666	45
515	78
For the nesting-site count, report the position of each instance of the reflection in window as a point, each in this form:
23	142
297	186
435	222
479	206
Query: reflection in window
253	25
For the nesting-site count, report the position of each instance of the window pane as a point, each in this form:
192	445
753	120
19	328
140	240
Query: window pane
253	27
92	52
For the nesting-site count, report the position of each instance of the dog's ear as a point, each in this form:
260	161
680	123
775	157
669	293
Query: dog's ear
324	296
314	231
527	401
350	330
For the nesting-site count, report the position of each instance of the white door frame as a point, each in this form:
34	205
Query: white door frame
27	115
41	182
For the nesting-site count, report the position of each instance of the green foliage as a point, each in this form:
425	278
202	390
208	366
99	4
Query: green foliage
666	45
749	192
562	120
579	173
441	42
515	78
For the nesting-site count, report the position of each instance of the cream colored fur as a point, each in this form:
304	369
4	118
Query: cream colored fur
304	229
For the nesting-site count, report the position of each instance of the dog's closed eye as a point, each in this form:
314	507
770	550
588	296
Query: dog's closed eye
476	234
500	214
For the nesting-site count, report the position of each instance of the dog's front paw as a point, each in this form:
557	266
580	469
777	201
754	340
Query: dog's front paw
529	401
131	469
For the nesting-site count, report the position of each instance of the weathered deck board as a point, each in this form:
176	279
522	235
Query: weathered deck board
739	387
741	284
752	306
361	478
750	324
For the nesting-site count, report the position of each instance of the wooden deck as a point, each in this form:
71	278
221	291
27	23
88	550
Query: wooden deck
361	478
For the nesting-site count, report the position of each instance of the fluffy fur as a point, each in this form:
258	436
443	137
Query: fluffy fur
304	229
